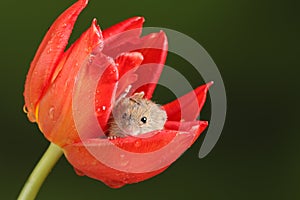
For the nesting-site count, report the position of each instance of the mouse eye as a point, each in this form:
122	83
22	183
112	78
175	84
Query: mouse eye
144	120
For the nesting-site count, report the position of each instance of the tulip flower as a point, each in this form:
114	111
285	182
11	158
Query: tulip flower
70	94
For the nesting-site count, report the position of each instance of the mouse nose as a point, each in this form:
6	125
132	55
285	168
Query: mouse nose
131	131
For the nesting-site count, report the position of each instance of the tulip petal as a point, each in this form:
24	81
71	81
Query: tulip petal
124	37
154	48
126	25
118	38
158	139
105	92
55	108
48	56
127	65
131	159
190	108
93	95
184	126
128	61
104	97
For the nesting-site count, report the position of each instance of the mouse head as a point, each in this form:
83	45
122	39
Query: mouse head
135	115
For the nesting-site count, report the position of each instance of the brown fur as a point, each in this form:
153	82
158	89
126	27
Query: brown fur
127	114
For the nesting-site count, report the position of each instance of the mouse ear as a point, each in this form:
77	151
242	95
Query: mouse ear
137	96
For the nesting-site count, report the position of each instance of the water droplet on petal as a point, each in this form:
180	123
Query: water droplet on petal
88	49
123	160
138	143
51	113
25	110
66	85
49	50
79	173
100	110
124	163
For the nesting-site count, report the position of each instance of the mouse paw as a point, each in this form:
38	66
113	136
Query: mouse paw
112	137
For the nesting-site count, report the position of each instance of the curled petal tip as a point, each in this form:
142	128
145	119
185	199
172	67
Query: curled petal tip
126	25
94	21
135	20
192	103
83	2
164	39
96	28
138	18
209	84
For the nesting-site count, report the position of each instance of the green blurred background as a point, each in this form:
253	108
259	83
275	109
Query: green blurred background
255	44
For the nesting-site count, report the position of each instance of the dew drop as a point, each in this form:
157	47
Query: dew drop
49	50
25	110
51	113
88	49
66	85
60	37
100	109
123	161
112	72
137	143
79	173
31	117
50	41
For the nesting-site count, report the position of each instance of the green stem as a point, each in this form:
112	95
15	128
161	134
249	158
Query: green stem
40	172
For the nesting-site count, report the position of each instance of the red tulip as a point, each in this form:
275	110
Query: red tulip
56	76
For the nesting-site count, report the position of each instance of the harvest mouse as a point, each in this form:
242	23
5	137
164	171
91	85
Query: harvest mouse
135	115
